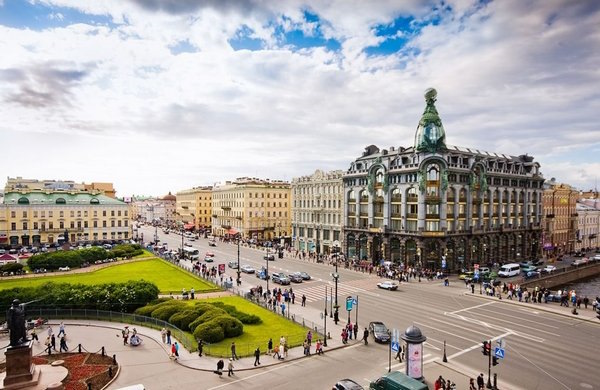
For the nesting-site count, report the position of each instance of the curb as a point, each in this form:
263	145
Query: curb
541	308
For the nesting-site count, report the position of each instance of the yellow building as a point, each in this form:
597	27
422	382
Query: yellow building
256	208
559	205
18	184
32	217
195	206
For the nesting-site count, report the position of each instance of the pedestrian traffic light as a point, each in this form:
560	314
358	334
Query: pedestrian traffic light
495	361
485	348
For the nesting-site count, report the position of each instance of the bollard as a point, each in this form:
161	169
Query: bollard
79	348
495	381
114	359
102	351
110	371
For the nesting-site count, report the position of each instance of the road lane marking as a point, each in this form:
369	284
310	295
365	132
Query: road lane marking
467	329
496	327
511	322
444	331
457	354
431	346
441	342
519	318
404	363
472	307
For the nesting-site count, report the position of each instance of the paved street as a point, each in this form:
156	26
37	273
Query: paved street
547	348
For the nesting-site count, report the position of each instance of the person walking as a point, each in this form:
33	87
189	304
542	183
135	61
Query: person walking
257	356
355	331
220	366
270	346
472	384
349	329
34	335
200	346
163	335
230	367
233	354
53	342
63	344
303	300
366	336
168	336
61	329
125	334
173	351
309	337
399	353
49	331
192	293
480	382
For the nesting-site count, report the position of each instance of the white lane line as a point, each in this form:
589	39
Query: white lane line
432	346
457	354
472	307
497	327
464	328
444	331
403	363
519	318
442	342
498	318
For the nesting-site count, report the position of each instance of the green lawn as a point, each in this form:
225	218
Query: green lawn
167	277
273	326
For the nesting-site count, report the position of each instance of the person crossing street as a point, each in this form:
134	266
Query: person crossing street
366	336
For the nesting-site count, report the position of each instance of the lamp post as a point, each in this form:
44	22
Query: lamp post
336	276
267	274
318	229
239	278
325	320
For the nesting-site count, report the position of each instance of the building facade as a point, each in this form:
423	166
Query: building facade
256	208
31	217
560	218
161	211
437	206
317	212
195	206
588	226
18	184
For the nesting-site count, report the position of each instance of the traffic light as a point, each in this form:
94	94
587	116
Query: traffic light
495	361
485	348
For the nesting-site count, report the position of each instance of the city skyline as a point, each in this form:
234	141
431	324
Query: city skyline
159	96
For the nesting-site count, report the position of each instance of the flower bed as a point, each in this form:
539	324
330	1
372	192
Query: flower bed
83	368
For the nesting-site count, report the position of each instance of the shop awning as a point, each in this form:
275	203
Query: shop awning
7	257
188	226
232	231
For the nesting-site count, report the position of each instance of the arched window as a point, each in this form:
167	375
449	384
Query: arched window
433	172
396	195
94	201
351	196
23	200
61	201
379	177
364	196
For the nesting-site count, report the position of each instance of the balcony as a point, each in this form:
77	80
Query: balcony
412	215
433	200
226	208
412	199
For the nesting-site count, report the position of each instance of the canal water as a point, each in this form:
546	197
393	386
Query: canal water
589	287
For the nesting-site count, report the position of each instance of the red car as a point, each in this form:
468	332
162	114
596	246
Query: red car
210	254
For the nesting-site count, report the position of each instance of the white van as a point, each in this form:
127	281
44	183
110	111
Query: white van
508	270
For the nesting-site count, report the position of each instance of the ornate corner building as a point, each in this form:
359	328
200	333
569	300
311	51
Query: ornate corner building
433	205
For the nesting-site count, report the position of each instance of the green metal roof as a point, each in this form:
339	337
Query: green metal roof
71	199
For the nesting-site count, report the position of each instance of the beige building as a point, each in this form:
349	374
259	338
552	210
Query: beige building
317	211
18	183
33	217
195	206
559	218
256	208
588	221
159	210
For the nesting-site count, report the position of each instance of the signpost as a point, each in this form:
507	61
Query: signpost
499	352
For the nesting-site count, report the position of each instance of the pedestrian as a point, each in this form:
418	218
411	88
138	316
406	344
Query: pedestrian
276	352
303	300
318	347
472	384
53	342
293	298
305	346
349	329
168	336
344	336
355	331
233	354
61	329
586	301
163	335
257	356
49	331
192	292
399	353
63	344
480	382
366	336
230	367
220	366
34	336
283	309
173	351
309	337
125	334
200	346
270	346
439	383
48	345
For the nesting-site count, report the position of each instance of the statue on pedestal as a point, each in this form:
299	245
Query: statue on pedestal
15	319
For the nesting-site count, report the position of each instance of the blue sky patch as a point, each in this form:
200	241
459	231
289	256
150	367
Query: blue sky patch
182	47
23	14
244	41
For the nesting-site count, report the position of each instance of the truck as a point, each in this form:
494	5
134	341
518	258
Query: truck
397	380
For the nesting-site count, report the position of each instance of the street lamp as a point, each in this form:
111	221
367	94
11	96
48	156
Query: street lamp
336	276
325	319
239	278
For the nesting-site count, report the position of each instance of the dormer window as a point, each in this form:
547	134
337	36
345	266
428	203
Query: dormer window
61	201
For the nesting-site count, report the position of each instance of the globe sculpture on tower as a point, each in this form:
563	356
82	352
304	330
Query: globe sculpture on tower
430	136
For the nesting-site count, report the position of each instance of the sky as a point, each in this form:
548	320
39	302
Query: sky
164	95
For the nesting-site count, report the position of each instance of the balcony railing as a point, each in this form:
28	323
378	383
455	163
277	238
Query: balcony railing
412	215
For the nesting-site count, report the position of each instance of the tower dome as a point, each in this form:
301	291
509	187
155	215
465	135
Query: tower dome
169	197
430	135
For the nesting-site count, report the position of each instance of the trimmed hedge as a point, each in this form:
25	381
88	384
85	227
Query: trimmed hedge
231	326
75	258
209	332
165	311
183	319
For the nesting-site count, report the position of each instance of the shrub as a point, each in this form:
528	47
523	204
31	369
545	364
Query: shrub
232	327
146	310
248	319
210	314
164	311
209	332
183	319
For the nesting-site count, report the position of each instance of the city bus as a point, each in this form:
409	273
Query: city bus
191	253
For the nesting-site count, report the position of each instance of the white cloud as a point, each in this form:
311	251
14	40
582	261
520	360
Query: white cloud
512	77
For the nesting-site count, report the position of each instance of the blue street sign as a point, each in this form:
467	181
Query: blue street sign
499	352
354	302
395	346
349	303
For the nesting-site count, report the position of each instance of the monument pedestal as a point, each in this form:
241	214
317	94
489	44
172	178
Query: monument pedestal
20	371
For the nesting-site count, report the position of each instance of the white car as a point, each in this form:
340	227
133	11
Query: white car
388	285
549	269
597	258
64	269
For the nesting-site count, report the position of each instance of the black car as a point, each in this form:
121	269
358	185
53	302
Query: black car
347	384
269	257
295	277
379	331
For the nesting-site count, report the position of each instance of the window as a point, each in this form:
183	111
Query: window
72	224
95	224
35	225
119	213
112	213
35	214
119	223
50	214
61	225
61	201
24	214
50	225
104	213
13	226
13	214
61	214
103	223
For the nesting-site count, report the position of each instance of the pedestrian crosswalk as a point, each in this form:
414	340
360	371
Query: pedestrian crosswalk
316	291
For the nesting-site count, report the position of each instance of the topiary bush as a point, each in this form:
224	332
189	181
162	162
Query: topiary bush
210	314
248	319
164	311
232	327
183	319
209	332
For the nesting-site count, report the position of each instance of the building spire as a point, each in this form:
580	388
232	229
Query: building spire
430	135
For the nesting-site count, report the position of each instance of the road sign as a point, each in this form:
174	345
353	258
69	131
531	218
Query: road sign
395	346
499	352
349	303
354	301
501	343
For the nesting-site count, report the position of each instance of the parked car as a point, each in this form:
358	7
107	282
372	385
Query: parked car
347	384
548	269
39	271
232	264
526	270
64	268
295	277
532	274
379	331
579	262
269	257
388	285
537	262
596	257
280	278
247	269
